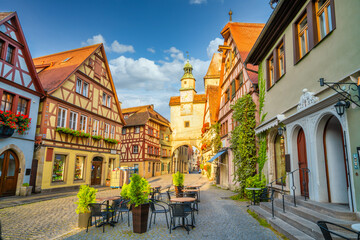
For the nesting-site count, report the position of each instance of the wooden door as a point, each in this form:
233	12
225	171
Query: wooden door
33	174
9	169
96	170
301	146
153	170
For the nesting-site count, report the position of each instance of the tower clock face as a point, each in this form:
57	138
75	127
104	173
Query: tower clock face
186	96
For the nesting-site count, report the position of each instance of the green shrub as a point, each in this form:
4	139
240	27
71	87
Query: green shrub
125	191
178	179
254	182
86	195
25	184
138	190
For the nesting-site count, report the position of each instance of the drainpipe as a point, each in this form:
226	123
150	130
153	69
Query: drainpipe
348	171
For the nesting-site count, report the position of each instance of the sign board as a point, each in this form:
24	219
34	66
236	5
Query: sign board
287	163
113	151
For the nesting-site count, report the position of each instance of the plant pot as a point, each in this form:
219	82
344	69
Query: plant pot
107	183
25	191
140	217
6	131
178	191
83	219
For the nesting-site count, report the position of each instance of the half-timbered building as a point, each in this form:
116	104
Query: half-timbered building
236	80
20	92
141	147
80	119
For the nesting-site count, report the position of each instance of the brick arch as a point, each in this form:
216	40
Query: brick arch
22	160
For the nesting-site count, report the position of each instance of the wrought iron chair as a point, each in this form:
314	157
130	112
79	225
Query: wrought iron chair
157	206
327	232
178	211
121	206
101	213
195	195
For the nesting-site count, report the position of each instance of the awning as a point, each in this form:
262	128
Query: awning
217	155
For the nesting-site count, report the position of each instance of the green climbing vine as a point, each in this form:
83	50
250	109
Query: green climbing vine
216	140
243	141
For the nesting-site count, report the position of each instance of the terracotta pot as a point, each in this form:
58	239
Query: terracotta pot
107	183
83	219
140	217
178	191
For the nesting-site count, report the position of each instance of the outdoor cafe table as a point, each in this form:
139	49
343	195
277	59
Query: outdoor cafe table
253	191
182	200
108	199
196	186
356	227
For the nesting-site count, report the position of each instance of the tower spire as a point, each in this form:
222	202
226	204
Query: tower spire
230	14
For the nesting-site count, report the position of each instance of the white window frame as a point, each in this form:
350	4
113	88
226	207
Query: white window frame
83	125
73	120
95	127
137	148
112	132
108	102
137	129
107	130
123	131
78	88
104	99
85	90
62	112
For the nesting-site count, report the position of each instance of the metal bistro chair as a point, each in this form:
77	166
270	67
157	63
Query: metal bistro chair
178	211
156	207
327	232
121	206
195	195
100	212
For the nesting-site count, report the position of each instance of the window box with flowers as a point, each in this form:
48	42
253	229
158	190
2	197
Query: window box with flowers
9	122
110	140
96	137
75	133
206	126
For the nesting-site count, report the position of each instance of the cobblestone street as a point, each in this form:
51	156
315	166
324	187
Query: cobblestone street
218	218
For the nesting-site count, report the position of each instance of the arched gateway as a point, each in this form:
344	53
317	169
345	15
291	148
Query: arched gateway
187	111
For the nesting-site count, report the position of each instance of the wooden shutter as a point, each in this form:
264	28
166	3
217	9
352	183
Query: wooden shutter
98	68
267	75
49	154
311	18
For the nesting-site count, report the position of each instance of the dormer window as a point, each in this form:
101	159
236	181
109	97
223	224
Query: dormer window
10	54
66	59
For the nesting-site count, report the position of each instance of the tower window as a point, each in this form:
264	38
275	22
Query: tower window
186	124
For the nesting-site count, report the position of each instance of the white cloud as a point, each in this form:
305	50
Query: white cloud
197	1
213	46
175	53
121	48
151	50
115	46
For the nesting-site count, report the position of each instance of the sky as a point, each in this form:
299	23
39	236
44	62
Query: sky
145	40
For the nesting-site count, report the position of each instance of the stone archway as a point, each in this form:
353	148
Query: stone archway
22	166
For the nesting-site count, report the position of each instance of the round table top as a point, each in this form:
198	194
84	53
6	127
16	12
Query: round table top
253	189
107	198
183	199
191	190
356	227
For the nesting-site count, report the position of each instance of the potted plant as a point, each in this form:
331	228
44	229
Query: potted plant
138	191
178	181
86	195
107	183
25	189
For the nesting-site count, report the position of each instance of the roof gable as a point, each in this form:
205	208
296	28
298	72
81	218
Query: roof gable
22	70
141	114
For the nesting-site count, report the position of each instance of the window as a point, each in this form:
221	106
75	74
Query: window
22	106
59	168
239	80
10	54
271	71
79	168
82	87
112	133
2	44
281	56
95	127
135	149
150	131
73	120
83	123
137	129
279	158
227	95
108	103
161	136
61	121
303	37
106	100
7	101
107	130
186	124
323	18
149	167
123	131
233	90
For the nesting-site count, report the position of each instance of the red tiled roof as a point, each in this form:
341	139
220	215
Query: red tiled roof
199	98
58	71
244	35
214	67
174	101
141	114
214	102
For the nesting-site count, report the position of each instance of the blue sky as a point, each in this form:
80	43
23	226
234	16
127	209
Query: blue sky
145	40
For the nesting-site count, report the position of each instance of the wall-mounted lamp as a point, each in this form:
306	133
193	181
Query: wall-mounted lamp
340	107
281	130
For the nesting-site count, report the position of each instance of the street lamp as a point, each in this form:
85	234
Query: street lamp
340	107
281	130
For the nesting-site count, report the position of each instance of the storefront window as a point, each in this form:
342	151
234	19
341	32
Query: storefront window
58	168
79	168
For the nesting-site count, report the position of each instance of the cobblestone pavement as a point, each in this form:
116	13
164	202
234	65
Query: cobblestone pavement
218	218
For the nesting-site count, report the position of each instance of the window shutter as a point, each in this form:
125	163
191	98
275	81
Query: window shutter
49	154
295	43
310	14
276	64
97	68
333	14
267	75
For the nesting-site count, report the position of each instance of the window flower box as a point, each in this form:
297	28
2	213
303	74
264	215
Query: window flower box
112	141
96	137
9	122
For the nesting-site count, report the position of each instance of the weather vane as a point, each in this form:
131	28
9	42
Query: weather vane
187	55
230	14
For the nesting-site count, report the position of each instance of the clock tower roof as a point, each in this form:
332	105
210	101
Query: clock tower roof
187	71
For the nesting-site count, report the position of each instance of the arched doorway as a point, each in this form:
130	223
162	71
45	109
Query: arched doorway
9	169
337	184
302	160
96	170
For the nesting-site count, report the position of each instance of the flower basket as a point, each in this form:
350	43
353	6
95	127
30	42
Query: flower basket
9	120
110	140
6	131
96	137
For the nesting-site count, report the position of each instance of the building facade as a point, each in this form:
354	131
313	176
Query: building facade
142	147
165	142
300	54
80	119
236	80
186	113
20	93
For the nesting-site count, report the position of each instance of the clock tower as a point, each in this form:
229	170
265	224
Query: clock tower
187	90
